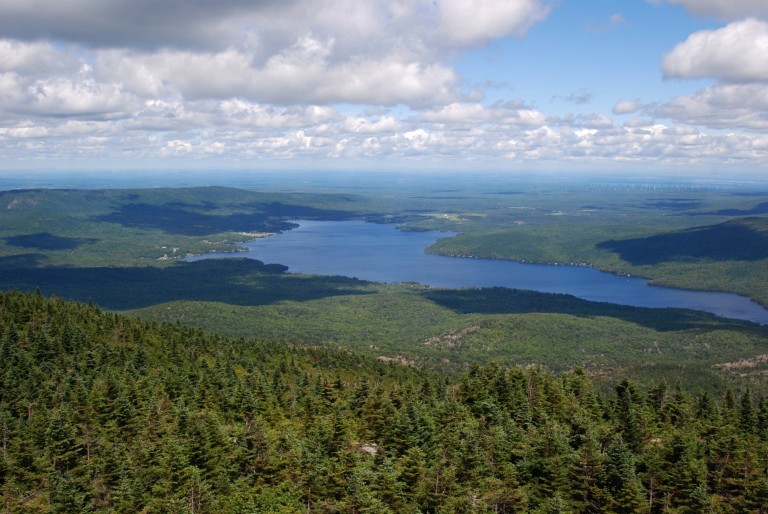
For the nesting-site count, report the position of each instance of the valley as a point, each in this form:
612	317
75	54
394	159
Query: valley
135	378
119	249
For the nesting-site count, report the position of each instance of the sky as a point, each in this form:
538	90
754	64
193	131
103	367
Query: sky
378	85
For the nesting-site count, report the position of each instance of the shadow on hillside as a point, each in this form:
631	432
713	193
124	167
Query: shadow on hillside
244	282
47	241
176	218
21	261
761	208
499	300
280	209
723	242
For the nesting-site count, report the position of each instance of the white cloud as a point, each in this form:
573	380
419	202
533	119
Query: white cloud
733	106
93	129
737	53
303	73
79	95
65	97
118	67
471	22
28	131
289	51
11	90
723	9
238	112
167	115
418	138
340	79
32	58
737	57
122	23
148	25
522	117
511	115
364	125
387	82
176	147
460	113
626	107
596	121
263	132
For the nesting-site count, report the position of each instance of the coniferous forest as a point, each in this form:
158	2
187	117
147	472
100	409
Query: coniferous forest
383	257
105	413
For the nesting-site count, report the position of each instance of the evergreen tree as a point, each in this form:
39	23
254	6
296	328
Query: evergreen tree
620	480
627	414
102	413
747	414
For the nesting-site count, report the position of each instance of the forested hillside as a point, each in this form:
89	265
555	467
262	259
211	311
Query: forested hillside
727	256
122	248
148	227
101	412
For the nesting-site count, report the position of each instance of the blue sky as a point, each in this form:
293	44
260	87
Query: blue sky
569	85
610	51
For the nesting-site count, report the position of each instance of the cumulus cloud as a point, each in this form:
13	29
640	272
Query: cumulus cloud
337	79
134	75
522	118
11	90
33	58
289	51
469	22
722	9
722	106
65	97
364	125
458	113
736	53
626	107
505	116
302	74
264	132
66	94
134	24
214	26
737	57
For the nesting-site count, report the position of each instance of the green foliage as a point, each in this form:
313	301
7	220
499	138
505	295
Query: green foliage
235	281
103	245
697	238
143	227
448	329
728	256
104	413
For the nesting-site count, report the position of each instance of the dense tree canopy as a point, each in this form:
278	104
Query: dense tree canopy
101	412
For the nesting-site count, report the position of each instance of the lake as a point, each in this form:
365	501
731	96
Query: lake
381	253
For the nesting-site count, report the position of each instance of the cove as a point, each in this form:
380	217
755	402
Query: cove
381	253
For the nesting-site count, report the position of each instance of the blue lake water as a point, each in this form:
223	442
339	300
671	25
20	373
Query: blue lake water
381	253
